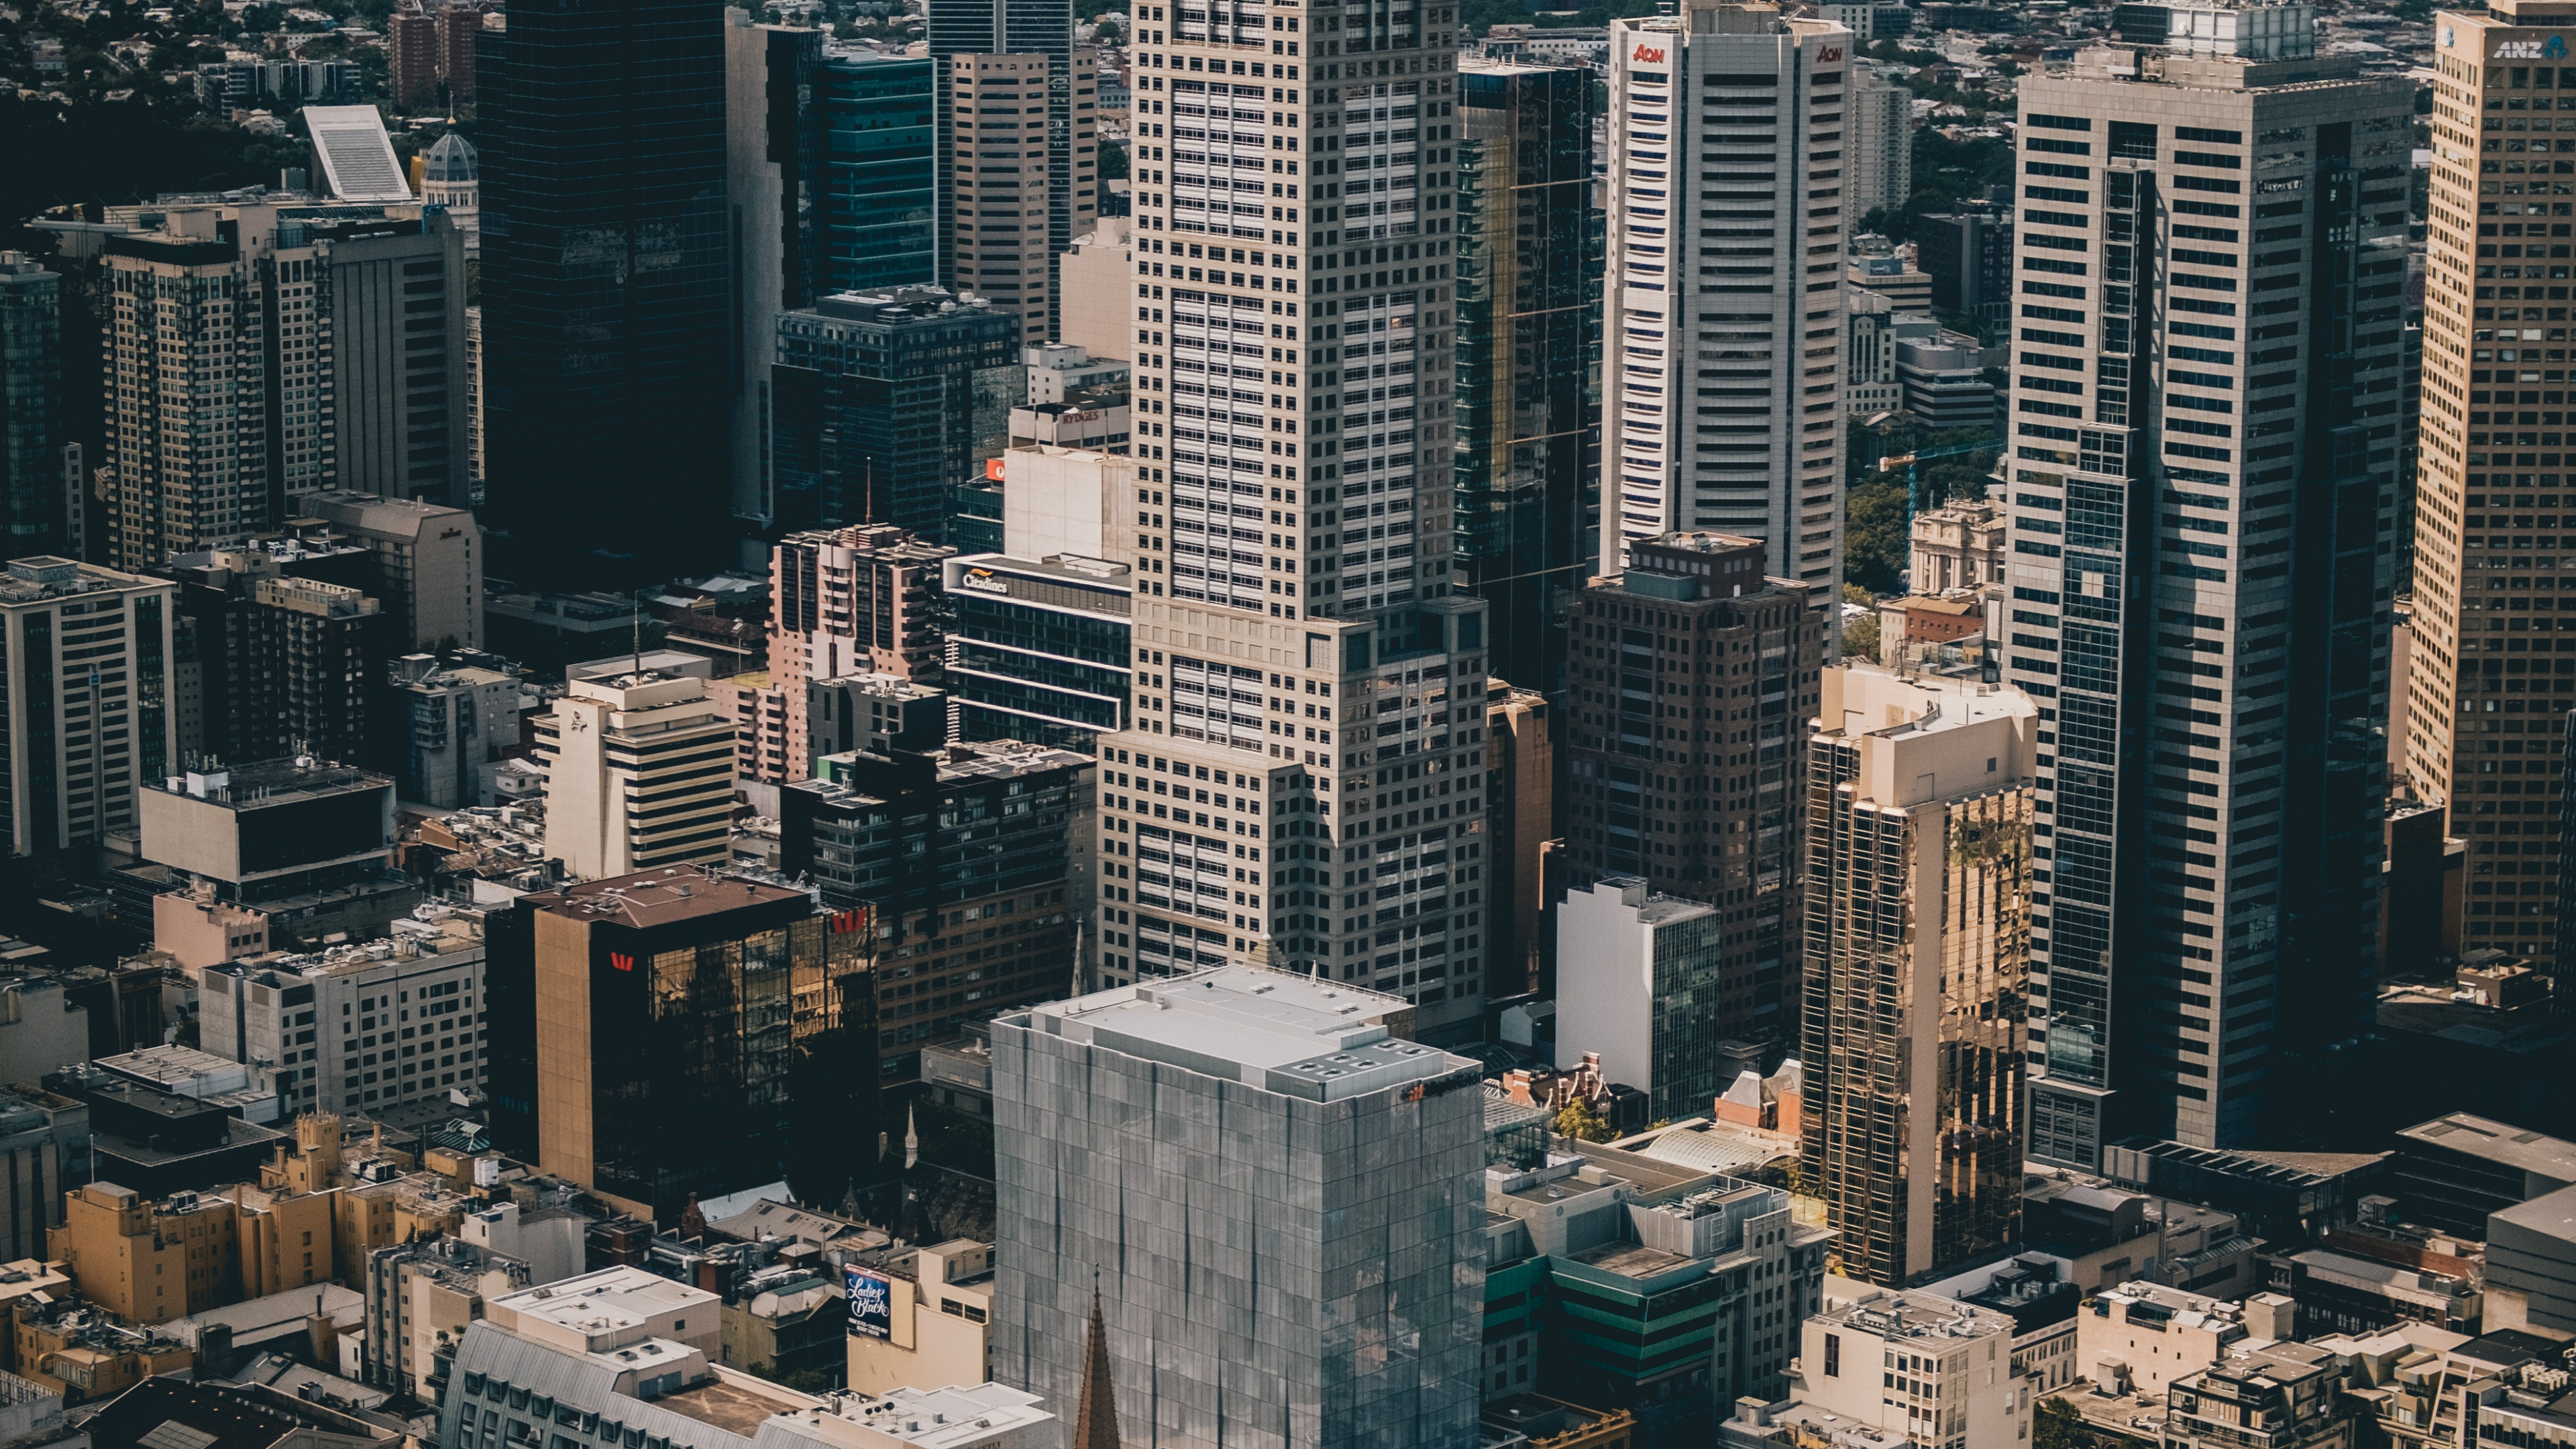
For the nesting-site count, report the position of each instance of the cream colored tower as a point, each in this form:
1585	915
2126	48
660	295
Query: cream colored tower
1303	665
2485	696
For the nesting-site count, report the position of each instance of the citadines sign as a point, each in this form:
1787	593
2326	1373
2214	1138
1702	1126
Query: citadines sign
871	1303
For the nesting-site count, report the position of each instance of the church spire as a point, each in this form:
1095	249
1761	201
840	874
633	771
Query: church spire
1096	1426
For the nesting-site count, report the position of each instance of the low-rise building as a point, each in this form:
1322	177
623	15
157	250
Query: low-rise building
2278	1396
84	1352
2141	1337
1959	545
937	1315
1935	1369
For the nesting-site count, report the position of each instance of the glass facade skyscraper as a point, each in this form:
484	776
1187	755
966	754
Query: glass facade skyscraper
33	498
879	217
2203	476
1528	388
607	293
883	400
1039	651
1280	1204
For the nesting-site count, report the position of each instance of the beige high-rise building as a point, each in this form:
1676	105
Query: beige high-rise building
1303	781
1882	140
639	774
2484	699
1003	159
85	700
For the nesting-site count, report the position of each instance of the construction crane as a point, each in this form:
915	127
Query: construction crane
1913	473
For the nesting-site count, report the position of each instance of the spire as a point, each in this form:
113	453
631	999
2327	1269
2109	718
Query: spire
1096	1424
911	1139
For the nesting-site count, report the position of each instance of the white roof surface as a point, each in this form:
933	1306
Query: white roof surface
355	156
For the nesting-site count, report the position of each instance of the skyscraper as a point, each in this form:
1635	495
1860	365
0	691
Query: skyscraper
1693	676
1000	46
1528	408
1324	1285
395	297
1011	225
1308	683
774	146
1918	908
1881	140
33	500
2202	474
2479	690
880	230
1727	173
607	302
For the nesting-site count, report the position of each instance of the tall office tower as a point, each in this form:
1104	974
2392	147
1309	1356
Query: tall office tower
1352	1316
321	651
458	24
2477	697
411	45
850	601
1727	158
682	1032
1238	693
880	231
1694	677
1010	228
191	441
881	400
607	296
1882	141
1918	919
34	506
990	45
1528	415
394	290
774	147
639	774
87	712
1969	257
2201	473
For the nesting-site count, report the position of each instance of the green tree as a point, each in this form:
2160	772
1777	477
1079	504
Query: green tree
1578	1121
2055	1424
1860	638
1113	161
1855	594
1875	546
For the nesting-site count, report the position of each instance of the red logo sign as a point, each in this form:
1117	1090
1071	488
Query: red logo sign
1648	54
1830	52
621	960
844	922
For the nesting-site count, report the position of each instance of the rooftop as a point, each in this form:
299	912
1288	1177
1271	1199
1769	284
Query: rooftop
737	1404
603	1302
946	1418
2535	1153
265	783
1283	1033
34	580
661	897
1897	1314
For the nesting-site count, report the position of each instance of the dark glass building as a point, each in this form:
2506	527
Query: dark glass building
683	1032
1529	409
1969	257
1038	651
877	208
33	496
885	399
607	308
976	863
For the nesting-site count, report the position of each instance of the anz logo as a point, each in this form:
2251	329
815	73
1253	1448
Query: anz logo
2554	48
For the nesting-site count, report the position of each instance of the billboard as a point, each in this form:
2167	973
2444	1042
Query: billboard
871	1303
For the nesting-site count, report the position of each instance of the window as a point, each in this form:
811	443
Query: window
1833	1355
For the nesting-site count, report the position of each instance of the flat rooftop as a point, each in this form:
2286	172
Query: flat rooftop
661	897
732	1404
265	783
2535	1153
1284	1033
610	1299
